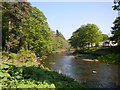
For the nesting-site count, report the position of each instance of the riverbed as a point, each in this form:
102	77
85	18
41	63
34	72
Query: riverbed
106	76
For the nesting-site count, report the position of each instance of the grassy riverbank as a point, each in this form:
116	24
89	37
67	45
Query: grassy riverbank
18	71
103	54
60	51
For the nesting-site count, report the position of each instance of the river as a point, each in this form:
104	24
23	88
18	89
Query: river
107	75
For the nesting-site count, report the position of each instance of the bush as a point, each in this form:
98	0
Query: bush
35	77
11	77
22	56
25	56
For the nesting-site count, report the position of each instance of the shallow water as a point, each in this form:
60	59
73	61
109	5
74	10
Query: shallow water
107	75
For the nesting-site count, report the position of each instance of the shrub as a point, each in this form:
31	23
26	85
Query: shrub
35	77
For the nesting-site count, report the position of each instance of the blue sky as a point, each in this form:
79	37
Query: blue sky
67	17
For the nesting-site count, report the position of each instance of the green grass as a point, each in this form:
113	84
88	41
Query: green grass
103	54
85	56
110	58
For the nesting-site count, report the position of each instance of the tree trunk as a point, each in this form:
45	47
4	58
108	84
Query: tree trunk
8	49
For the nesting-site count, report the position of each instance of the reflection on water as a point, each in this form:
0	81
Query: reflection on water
106	76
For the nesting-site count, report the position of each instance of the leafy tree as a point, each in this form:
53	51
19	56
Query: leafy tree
53	41
104	37
58	41
74	40
37	33
116	28
25	27
86	35
116	5
13	15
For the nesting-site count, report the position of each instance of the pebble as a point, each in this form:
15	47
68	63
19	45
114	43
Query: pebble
94	72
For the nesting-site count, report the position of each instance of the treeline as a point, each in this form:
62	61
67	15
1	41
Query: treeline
26	27
89	34
116	28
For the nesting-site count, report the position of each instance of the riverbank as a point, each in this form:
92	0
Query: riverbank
23	71
104	54
60	51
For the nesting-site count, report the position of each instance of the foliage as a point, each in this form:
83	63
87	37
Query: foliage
116	5
12	78
22	56
104	37
19	74
25	27
38	33
86	35
13	16
116	28
58	41
35	77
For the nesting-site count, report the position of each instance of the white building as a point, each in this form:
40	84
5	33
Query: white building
105	43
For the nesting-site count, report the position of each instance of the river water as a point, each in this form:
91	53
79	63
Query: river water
107	75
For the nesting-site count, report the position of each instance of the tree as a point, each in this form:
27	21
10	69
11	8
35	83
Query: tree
116	28
36	33
58	41
59	34
24	27
104	37
13	15
86	35
74	40
116	5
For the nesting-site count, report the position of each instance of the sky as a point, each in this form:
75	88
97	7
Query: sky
71	0
67	17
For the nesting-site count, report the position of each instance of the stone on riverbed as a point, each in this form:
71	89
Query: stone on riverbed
94	71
